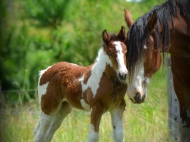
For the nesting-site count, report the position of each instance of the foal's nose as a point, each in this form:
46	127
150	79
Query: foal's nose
123	75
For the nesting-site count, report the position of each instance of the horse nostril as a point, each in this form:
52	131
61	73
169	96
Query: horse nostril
144	96
137	97
123	76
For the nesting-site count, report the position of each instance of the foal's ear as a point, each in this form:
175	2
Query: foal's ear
128	19
105	37
152	22
122	34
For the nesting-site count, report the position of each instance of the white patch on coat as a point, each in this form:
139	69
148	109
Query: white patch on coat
42	72
145	47
74	64
85	105
96	72
118	132
120	58
93	136
42	88
42	127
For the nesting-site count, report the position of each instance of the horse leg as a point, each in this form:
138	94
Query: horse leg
48	124
41	128
116	117
96	115
183	94
57	120
184	127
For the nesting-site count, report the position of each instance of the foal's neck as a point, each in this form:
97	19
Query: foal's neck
102	65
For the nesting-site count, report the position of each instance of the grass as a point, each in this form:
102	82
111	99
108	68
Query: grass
145	123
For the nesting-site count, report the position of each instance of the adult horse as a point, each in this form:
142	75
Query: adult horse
165	28
97	88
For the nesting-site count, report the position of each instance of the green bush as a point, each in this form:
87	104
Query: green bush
41	33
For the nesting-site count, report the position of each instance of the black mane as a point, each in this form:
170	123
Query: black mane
138	33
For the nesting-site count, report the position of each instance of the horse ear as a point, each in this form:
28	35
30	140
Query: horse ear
128	19
152	22
122	34
105	37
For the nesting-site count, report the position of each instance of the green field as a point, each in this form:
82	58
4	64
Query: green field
39	33
147	122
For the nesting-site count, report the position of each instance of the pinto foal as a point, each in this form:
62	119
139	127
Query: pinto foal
97	88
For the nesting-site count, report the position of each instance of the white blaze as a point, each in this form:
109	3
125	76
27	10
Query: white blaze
96	72
136	84
120	57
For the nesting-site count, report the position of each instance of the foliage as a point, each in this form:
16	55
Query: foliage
40	33
47	13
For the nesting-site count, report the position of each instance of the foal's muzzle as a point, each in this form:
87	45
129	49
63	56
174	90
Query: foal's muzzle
123	76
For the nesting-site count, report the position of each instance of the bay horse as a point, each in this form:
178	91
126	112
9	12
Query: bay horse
165	28
97	88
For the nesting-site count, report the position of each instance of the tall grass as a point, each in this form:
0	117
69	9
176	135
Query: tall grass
146	122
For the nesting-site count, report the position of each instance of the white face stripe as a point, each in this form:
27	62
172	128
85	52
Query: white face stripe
120	57
136	84
96	72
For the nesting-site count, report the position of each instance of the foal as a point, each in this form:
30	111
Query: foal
97	88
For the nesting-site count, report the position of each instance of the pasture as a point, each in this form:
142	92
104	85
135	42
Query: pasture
147	122
42	45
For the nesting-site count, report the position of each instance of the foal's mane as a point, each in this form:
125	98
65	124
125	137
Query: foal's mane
139	32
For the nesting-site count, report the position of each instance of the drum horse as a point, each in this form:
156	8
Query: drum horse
165	28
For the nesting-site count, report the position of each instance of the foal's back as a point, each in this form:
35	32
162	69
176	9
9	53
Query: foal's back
63	84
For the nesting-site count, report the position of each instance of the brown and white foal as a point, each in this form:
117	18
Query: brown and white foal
97	88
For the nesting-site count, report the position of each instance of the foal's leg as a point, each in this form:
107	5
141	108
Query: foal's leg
43	124
57	120
48	124
96	115
116	116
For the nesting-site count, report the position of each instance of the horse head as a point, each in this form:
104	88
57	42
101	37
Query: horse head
116	50
143	56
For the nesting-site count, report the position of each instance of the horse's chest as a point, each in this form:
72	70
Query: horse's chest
117	95
119	92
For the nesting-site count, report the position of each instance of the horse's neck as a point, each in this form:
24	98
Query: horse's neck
179	36
110	73
101	64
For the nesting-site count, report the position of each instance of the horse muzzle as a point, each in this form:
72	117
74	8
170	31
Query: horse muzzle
138	97
123	75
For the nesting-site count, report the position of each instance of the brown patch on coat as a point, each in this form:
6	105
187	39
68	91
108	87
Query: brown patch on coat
63	84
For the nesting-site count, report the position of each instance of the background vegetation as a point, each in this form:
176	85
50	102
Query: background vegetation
38	33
